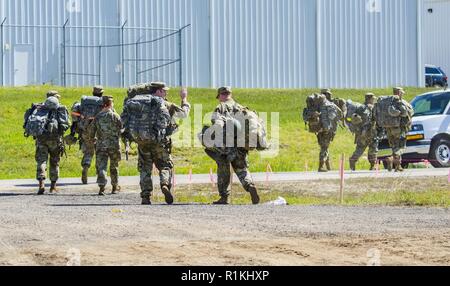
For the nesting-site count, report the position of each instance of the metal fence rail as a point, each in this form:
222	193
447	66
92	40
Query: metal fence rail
87	53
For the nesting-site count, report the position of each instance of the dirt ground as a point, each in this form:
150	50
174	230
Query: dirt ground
76	227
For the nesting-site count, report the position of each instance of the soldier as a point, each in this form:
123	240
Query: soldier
47	123
365	132
236	156
107	128
397	135
157	152
80	124
337	101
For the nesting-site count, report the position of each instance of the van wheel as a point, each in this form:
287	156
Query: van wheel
440	154
405	165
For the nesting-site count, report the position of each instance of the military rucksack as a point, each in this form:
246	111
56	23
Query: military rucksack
384	111
249	130
89	107
311	114
49	119
146	118
321	114
330	116
354	119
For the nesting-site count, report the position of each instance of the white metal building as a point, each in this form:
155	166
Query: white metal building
243	43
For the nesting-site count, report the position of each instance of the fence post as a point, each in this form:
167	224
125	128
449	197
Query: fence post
2	54
122	47
64	54
180	56
100	64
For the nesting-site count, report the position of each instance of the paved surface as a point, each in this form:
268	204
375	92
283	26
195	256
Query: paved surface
14	185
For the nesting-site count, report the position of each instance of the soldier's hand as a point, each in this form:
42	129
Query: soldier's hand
184	94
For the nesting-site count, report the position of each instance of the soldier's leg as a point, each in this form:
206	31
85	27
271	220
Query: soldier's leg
101	165
114	159
88	149
164	164
145	166
324	140
373	153
41	157
240	166
55	158
361	146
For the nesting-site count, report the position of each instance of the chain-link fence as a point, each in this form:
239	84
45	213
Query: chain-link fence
87	55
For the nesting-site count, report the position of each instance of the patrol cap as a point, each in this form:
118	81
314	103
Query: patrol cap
98	89
224	89
53	93
370	95
160	85
398	89
326	91
107	99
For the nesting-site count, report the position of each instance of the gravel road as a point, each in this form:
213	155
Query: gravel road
115	230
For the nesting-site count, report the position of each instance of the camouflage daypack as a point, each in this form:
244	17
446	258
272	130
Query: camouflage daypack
385	112
49	119
311	114
146	118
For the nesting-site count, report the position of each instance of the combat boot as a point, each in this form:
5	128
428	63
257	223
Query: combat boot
327	162
321	167
41	187
146	201
389	163
222	201
115	190
254	195
352	165
53	188
398	164
84	175
102	191
167	195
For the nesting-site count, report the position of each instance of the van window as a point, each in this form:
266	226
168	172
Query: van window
431	104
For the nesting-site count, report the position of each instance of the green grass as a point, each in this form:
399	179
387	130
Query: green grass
298	147
428	192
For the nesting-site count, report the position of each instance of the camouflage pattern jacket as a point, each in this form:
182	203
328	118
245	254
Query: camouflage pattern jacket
107	128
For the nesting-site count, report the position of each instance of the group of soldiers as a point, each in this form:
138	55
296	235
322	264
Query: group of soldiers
364	121
149	119
101	133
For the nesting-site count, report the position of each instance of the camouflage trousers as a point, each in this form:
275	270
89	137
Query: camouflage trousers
44	150
101	164
362	143
324	139
88	150
159	154
397	140
239	162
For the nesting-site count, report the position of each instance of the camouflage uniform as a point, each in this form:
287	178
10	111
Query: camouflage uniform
50	147
87	143
324	138
160	153
397	135
107	128
234	156
366	135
